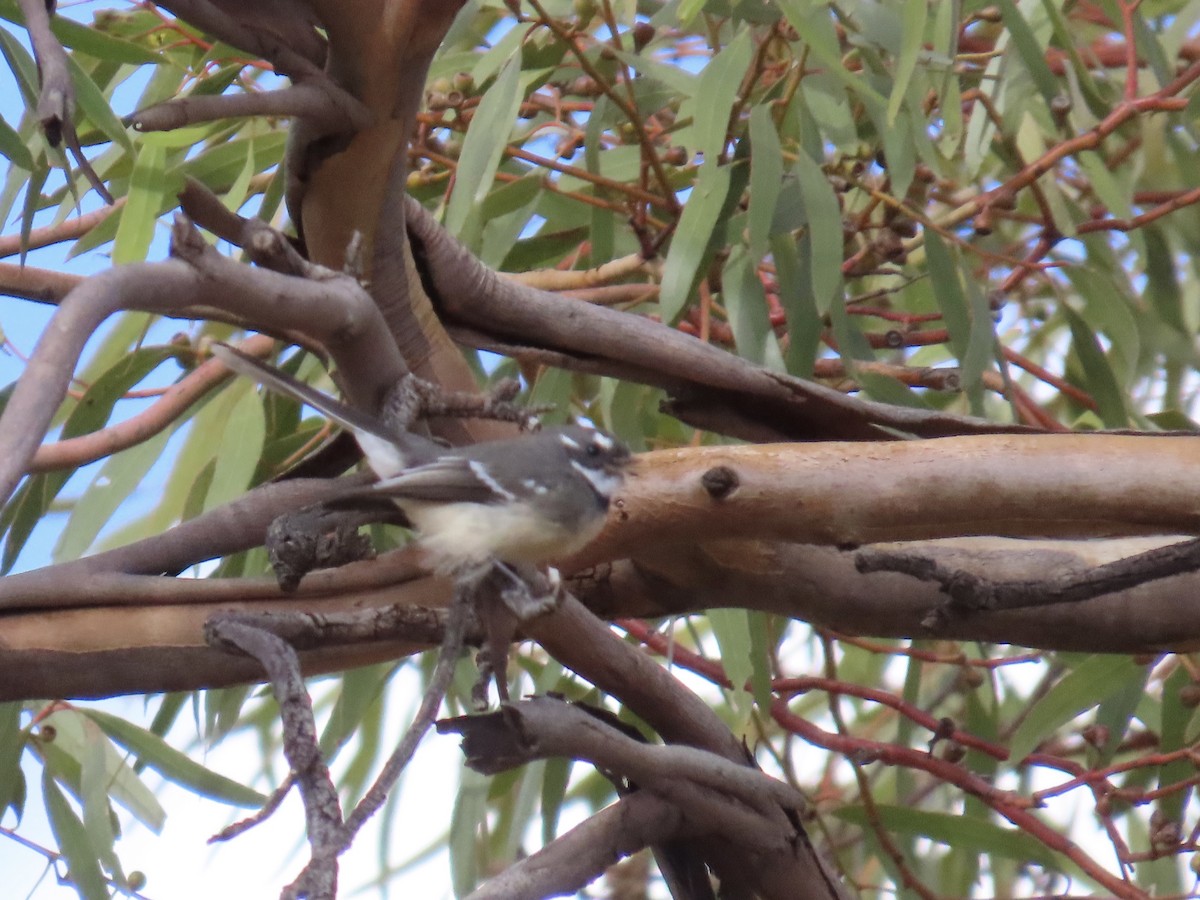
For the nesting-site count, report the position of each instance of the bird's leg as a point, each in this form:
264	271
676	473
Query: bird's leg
505	597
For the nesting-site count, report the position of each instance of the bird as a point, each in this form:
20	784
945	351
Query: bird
527	500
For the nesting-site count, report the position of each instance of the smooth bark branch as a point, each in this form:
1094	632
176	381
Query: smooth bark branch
78	451
11	245
341	185
749	399
584	644
317	100
231	528
276	33
967	593
334	311
849	494
570	863
547	727
769	502
717	797
38	285
140	634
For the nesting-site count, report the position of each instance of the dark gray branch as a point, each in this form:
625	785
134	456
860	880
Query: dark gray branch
705	382
283	35
584	644
335	311
571	862
318	100
301	746
56	99
968	593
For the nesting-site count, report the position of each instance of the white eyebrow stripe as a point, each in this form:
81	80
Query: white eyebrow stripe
569	442
479	470
602	440
602	482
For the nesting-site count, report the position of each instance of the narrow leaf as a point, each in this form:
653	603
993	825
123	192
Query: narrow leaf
147	189
916	12
482	150
1101	382
13	147
1089	683
716	92
82	862
766	179
690	243
825	232
93	104
959	832
173	765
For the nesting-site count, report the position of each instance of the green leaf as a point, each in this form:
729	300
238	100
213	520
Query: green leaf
1030	50
93	104
1086	686
147	194
360	690
731	628
760	657
1115	713
90	414
93	783
91	41
103	46
960	832
766	179
825	232
682	82
172	765
746	303
1101	382
481	152
244	429
469	813
13	147
23	67
73	842
688	10
948	291
916	12
689	246
33	198
1174	735
555	778
75	738
12	745
113	484
795	293
815	27
715	94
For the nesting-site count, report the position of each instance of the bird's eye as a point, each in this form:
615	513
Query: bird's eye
593	450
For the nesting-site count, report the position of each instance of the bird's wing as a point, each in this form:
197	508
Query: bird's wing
451	479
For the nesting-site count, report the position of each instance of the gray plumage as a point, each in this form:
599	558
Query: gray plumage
527	499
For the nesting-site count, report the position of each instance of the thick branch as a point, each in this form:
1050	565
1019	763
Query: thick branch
273	35
334	311
584	644
104	634
750	400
